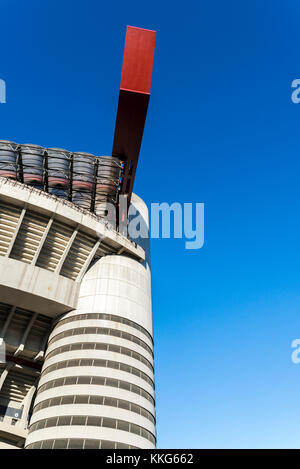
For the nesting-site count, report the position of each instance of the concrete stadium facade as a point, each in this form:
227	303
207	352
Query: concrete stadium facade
76	318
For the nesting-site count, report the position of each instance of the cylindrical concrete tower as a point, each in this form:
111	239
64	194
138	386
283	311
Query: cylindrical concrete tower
97	384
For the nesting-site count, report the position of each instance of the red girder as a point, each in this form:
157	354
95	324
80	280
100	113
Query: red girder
133	101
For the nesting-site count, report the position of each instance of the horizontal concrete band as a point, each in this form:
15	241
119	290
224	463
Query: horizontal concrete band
91	390
101	339
99	354
93	410
70	323
98	362
80	432
80	403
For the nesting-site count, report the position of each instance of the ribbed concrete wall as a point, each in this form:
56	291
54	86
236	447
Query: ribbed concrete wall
97	385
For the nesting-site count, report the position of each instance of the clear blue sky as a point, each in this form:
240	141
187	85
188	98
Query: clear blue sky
222	130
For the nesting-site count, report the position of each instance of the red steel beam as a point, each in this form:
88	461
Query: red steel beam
133	101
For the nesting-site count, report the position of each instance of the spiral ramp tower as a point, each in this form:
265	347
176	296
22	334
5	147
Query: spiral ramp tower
96	389
75	293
